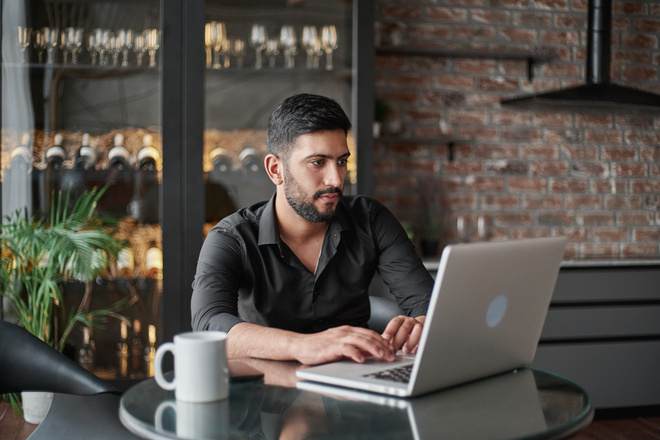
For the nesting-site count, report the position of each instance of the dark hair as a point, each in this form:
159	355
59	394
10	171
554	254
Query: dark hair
303	114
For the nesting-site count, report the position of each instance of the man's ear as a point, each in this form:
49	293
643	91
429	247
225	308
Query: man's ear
274	165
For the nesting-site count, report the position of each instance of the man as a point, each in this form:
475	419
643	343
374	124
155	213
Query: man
288	279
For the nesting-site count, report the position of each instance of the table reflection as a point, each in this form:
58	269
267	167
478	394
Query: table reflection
523	404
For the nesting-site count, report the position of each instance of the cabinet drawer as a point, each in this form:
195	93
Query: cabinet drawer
602	322
614	374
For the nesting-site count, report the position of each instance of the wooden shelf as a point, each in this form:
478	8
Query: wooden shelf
529	58
450	141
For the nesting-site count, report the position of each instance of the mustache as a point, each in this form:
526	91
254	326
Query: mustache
330	190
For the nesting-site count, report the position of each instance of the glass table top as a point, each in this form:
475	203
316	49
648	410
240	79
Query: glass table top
525	404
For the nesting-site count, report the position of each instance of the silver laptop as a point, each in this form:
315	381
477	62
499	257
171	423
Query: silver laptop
485	317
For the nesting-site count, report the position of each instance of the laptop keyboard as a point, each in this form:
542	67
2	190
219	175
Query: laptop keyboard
398	374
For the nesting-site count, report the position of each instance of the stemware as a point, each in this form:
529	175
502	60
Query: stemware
124	44
219	34
238	51
258	43
272	51
114	48
289	43
152	43
311	43
73	43
209	42
24	37
51	38
91	47
102	40
139	48
39	44
329	43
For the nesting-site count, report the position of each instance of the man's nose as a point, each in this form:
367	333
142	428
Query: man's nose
334	176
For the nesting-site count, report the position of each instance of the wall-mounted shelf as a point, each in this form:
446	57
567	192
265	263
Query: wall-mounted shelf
448	140
529	58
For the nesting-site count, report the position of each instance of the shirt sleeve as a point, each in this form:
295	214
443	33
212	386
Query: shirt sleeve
399	266
214	303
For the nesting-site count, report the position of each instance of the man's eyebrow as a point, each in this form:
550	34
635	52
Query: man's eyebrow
327	156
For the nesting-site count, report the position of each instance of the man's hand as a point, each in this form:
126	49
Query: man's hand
342	342
404	333
246	340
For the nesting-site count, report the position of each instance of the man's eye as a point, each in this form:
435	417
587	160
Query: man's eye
318	162
342	162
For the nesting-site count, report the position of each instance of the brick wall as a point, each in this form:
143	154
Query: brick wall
593	176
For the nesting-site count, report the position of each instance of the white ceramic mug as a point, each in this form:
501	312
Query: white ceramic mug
200	366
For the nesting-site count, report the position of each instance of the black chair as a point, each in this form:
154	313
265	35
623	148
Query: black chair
29	364
382	311
83	407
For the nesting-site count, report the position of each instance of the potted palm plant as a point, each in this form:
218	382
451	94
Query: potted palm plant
39	255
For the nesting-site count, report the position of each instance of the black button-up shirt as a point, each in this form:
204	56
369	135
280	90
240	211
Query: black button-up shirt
247	273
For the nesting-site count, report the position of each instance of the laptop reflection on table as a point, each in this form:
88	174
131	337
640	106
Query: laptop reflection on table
498	407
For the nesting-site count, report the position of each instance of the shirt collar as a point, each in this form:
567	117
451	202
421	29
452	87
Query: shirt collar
269	233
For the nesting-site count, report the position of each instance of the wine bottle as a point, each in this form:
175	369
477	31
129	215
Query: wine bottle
86	156
145	203
75	179
221	161
249	160
125	263
122	350
86	350
20	179
150	352
154	262
115	201
137	350
51	181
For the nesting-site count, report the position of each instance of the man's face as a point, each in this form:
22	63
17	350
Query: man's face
314	174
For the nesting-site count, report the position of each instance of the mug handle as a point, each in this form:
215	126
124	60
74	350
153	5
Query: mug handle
160	379
158	417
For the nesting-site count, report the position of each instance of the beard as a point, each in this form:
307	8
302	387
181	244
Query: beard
303	205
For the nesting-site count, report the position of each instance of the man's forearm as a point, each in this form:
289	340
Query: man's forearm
246	340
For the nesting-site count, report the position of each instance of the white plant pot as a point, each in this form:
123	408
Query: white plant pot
36	405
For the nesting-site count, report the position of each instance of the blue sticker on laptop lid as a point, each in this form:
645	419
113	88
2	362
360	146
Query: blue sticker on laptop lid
496	311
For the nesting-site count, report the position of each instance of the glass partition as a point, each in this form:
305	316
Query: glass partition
257	54
81	108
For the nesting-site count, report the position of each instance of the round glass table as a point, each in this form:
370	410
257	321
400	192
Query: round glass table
525	404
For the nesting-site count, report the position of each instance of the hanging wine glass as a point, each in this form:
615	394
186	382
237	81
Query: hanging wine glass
63	38
310	42
209	42
51	39
24	37
225	50
272	51
238	51
74	38
113	49
125	44
152	43
329	43
91	47
258	43
139	48
219	32
102	40
39	44
289	44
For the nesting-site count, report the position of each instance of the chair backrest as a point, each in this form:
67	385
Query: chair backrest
382	311
29	364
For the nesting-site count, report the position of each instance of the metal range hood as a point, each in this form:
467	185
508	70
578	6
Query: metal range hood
598	92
